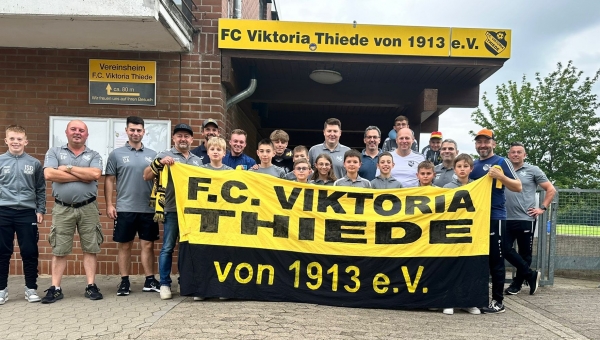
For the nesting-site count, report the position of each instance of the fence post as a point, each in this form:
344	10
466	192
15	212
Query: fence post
542	239
552	244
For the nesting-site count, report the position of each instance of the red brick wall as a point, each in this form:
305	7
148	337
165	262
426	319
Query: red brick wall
227	8
38	83
250	9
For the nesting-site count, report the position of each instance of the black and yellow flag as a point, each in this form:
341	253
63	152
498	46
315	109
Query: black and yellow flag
253	236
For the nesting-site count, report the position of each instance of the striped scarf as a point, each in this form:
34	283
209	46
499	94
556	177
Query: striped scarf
157	196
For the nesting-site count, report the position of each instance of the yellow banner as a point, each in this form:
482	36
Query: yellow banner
363	39
251	210
123	71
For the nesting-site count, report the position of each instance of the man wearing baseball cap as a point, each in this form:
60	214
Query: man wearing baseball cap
183	136
210	128
506	175
432	151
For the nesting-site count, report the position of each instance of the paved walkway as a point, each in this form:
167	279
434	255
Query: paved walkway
568	310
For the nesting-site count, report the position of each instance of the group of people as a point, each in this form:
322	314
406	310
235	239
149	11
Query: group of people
74	170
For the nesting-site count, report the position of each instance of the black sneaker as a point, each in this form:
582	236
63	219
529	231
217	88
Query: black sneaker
123	288
151	286
52	295
92	292
512	290
493	308
534	281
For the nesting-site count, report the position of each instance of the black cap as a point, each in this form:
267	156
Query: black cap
209	121
183	127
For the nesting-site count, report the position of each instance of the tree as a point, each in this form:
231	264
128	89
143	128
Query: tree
556	120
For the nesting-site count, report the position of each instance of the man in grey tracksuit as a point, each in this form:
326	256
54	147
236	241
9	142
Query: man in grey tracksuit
22	207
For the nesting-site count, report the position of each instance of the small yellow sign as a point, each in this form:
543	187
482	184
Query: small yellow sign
123	71
122	82
363	39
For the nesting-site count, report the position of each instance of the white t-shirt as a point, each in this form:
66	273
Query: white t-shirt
405	169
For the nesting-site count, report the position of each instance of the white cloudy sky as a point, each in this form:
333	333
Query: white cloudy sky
544	32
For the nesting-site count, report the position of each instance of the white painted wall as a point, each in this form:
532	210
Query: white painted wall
134	25
84	8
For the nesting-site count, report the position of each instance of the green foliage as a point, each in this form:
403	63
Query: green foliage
556	120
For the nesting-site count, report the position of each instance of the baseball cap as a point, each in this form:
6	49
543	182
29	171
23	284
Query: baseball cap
436	134
486	133
209	121
183	127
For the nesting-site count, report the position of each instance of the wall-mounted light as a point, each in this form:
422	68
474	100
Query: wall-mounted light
326	77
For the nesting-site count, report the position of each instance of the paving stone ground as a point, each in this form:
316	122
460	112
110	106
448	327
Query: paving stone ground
568	310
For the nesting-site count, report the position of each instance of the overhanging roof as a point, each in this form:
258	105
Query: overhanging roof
374	89
420	72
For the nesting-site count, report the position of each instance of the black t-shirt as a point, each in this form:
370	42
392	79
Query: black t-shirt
285	161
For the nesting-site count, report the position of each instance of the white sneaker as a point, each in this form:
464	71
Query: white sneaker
3	295
165	293
31	295
198	298
448	311
472	310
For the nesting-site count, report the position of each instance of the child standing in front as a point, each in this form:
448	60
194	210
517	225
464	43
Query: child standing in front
265	154
300	152
301	170
324	174
385	179
215	147
352	161
282	156
426	173
463	165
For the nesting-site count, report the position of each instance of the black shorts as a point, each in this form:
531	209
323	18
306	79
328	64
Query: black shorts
128	224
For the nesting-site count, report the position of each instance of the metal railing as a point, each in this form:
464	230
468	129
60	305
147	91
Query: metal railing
578	230
185	7
568	235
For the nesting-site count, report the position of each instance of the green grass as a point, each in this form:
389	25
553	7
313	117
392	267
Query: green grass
578	230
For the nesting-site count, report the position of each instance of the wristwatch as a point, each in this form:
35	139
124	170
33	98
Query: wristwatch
543	207
69	168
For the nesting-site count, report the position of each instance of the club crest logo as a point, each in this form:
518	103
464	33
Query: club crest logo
125	159
339	158
495	42
486	167
28	170
412	164
63	156
6	170
86	158
196	163
148	159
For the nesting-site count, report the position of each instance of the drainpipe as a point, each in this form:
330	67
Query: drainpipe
237	9
246	93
